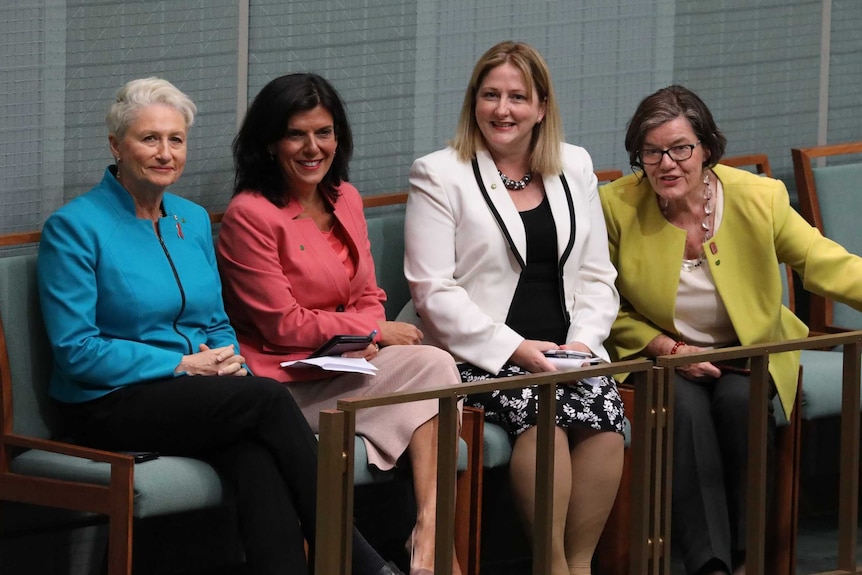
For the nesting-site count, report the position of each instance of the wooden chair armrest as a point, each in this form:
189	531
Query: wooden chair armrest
23	441
836	329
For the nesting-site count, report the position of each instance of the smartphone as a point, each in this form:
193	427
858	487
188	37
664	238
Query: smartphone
141	456
341	343
568	354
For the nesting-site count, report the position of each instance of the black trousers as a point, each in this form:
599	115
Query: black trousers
252	431
710	466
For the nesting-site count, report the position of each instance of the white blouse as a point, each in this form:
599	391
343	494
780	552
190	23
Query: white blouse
700	316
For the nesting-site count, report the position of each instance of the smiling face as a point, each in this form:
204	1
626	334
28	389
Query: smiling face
151	154
505	114
306	151
675	180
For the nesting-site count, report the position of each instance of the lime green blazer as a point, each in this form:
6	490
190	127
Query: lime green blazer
758	230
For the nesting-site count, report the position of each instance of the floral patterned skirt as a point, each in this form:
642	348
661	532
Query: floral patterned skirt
594	403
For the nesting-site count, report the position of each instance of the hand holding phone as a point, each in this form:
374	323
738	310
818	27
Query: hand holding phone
340	343
568	354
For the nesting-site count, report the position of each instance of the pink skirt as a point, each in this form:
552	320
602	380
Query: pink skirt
386	430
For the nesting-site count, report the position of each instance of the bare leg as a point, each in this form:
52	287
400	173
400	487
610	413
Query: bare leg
597	464
522	469
423	460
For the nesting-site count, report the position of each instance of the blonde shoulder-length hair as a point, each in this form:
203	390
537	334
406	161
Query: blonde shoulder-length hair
547	134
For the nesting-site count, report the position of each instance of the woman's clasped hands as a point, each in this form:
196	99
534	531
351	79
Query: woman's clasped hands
215	361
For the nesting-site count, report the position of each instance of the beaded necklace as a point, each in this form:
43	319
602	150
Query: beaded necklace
706	225
516	185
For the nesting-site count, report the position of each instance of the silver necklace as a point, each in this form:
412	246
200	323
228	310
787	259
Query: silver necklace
516	185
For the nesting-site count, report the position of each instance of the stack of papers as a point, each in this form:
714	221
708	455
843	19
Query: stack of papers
334	363
567	363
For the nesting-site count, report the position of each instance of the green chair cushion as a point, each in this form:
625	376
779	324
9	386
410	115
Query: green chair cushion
30	358
821	383
162	486
839	200
386	234
174	484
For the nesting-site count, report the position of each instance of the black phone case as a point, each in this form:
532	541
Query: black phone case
341	343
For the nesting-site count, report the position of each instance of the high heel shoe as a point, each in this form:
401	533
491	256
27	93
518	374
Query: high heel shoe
410	547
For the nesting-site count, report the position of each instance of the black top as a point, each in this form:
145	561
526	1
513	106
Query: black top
536	311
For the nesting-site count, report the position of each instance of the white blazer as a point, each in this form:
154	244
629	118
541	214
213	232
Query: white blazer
463	265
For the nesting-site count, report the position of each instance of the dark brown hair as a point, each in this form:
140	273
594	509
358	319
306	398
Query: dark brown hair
669	104
266	123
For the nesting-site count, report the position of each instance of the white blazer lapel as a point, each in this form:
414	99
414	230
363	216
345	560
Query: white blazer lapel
561	207
512	227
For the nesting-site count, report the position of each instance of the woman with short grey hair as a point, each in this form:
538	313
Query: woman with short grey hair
145	358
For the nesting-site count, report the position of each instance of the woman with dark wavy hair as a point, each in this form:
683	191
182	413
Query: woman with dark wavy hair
297	270
266	123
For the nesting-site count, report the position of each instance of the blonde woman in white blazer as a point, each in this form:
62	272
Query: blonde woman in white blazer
501	270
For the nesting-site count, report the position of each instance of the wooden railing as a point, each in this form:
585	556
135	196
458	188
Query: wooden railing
651	441
335	476
758	405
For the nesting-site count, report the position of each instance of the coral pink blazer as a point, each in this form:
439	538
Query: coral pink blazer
285	290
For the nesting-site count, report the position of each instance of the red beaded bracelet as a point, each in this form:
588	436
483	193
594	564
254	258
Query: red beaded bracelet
676	347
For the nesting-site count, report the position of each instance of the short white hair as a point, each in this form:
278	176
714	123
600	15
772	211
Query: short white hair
143	92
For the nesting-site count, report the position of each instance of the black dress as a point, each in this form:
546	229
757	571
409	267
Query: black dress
537	312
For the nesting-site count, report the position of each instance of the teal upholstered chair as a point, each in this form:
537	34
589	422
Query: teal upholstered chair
830	200
37	467
385	216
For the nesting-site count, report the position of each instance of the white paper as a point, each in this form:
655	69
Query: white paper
334	363
573	362
566	363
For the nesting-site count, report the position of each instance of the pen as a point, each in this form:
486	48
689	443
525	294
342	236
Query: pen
372	334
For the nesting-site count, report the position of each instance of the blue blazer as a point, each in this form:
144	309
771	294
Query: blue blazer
120	305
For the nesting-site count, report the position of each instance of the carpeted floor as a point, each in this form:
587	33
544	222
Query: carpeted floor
817	545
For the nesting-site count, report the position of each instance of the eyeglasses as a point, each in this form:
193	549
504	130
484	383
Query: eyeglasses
679	153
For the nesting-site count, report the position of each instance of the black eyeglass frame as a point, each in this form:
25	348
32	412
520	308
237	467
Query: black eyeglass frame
670	153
